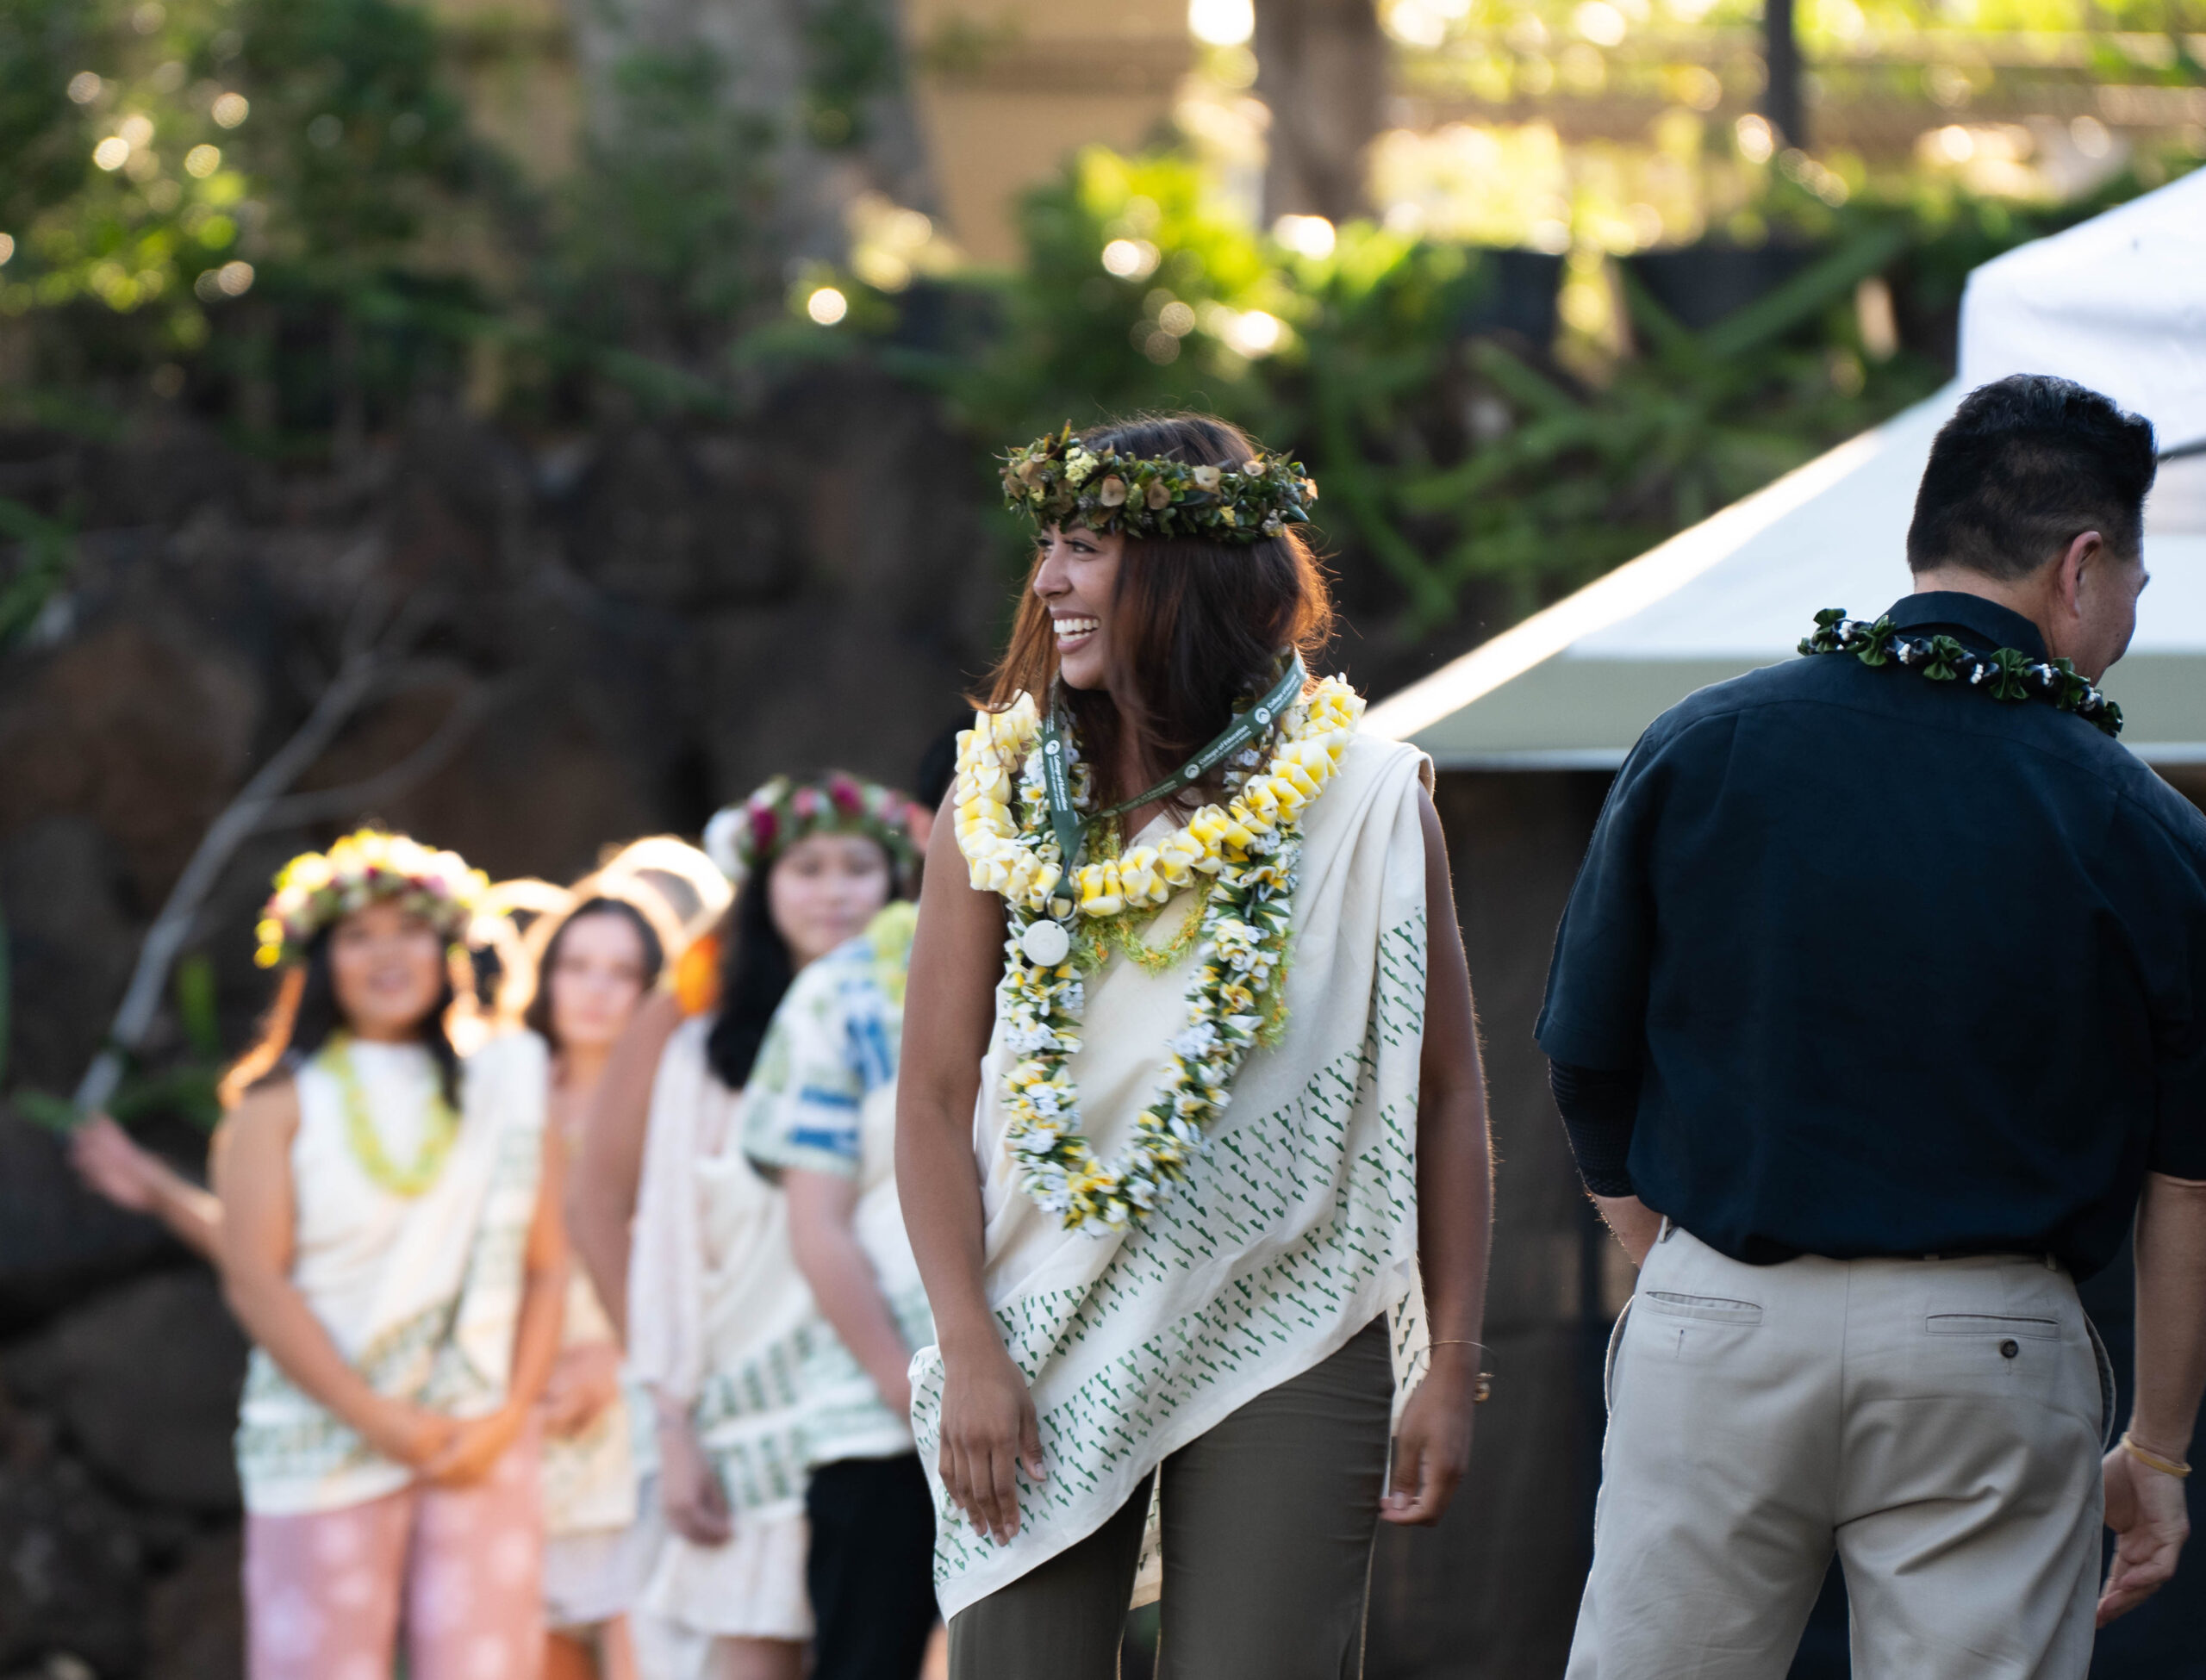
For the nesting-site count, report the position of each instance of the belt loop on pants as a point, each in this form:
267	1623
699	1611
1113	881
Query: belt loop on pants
1668	1226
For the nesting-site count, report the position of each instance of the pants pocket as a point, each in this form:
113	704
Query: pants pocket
1609	1364
1991	1324
1695	1329
2106	1385
1709	1309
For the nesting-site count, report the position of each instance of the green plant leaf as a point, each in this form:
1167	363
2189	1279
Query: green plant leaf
194	990
49	549
40	1108
1813	289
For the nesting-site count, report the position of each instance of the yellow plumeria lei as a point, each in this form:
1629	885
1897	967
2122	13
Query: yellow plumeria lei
1249	852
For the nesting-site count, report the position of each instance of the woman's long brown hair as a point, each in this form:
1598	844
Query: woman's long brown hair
1197	623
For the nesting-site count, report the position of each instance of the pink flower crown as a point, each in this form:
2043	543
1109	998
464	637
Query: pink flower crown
746	838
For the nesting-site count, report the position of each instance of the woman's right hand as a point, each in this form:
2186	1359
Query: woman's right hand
695	1503
988	1429
408	1434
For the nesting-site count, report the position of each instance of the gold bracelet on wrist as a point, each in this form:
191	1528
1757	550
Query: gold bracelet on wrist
2152	1460
1483	1390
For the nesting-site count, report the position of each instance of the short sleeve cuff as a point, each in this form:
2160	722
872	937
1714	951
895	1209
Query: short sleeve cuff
807	1137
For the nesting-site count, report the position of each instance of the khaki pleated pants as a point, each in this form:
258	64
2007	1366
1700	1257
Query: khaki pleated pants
1938	1423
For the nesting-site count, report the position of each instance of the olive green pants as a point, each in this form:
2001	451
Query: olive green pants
1268	1522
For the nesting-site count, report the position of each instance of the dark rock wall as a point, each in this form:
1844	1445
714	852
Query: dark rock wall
658	616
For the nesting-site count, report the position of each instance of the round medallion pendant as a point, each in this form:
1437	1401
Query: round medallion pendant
1045	944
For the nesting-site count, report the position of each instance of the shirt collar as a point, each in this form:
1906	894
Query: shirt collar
1953	609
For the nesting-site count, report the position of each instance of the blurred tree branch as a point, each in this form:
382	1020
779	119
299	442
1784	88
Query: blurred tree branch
373	664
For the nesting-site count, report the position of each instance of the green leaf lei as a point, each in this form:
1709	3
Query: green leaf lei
2005	673
366	1144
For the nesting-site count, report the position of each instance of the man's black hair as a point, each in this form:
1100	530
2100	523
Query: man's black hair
2026	465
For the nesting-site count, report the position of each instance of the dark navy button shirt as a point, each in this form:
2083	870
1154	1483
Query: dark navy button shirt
1905	970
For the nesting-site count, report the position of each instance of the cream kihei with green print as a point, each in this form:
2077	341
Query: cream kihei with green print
719	1314
719	1321
1294	1223
417	1286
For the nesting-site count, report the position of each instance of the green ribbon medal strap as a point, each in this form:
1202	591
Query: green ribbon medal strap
1066	821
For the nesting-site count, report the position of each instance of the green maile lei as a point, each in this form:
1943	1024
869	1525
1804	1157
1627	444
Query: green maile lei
2005	673
1235	1002
365	1142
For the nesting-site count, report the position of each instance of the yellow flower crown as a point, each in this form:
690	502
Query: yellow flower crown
315	890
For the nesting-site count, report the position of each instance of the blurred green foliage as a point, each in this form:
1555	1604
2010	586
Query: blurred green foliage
2116	33
658	243
276	208
1837	21
851	57
160	162
1450	454
46	549
184	1087
279	209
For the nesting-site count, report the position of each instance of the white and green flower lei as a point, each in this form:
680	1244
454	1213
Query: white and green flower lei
2005	673
1250	849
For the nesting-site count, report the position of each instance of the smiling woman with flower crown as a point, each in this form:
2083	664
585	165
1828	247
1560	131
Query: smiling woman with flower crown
1181	1071
389	1238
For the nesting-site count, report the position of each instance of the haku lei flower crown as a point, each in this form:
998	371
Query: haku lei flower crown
1244	855
745	838
316	889
2005	673
1059	481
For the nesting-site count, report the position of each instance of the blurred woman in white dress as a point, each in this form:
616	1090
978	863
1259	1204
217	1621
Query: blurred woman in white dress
718	1317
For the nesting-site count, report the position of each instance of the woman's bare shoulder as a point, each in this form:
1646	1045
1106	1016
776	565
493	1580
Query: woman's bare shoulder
270	1106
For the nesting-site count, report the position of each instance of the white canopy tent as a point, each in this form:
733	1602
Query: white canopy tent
2118	304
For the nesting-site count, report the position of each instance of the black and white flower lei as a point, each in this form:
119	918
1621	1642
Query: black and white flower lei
2005	673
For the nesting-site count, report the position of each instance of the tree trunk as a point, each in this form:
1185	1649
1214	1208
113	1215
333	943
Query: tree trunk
1321	67
776	55
1781	102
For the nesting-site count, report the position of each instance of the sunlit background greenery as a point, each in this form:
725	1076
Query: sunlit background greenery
278	217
